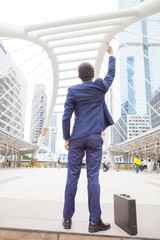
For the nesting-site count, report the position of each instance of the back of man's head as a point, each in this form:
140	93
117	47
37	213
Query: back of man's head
86	71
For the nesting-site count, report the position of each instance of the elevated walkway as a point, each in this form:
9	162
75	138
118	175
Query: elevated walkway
31	204
10	143
146	144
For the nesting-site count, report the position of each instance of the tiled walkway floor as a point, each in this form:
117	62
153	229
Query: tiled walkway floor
33	199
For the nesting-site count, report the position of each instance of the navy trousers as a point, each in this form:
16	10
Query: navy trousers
92	145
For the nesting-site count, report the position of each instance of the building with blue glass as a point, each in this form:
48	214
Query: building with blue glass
139	76
135	85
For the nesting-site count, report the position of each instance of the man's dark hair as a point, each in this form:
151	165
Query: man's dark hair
85	71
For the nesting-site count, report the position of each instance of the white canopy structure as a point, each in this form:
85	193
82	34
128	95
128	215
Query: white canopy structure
75	40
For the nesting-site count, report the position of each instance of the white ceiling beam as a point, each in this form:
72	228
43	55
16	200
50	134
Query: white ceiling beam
79	20
61	95
63	87
70	51
83	33
148	8
80	59
68	69
73	42
68	78
59	104
79	27
56	112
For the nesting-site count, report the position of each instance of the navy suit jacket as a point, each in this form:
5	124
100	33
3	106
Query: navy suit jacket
87	101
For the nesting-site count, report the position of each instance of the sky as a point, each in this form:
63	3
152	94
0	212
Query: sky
24	12
29	12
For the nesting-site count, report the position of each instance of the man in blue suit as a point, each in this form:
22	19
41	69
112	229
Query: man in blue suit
87	101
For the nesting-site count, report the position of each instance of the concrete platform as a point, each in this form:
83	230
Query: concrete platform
31	204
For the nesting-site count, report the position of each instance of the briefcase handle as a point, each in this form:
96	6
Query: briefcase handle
125	195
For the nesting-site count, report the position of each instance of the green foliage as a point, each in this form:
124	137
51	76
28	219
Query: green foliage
122	167
35	166
26	157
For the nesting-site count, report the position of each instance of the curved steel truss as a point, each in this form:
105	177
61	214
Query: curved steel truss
70	33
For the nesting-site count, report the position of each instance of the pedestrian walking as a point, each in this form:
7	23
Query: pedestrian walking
137	163
158	163
144	164
58	163
7	163
87	101
105	167
150	166
154	165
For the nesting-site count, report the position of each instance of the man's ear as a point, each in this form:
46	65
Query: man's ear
79	77
93	75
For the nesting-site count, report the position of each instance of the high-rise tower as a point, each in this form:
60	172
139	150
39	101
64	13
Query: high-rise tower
139	75
39	110
13	91
53	133
135	87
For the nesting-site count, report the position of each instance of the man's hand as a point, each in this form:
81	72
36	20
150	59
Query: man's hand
109	49
66	145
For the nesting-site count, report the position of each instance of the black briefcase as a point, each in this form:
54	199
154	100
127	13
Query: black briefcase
125	213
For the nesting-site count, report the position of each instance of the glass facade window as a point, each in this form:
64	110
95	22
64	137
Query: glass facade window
131	91
138	88
155	104
13	94
39	110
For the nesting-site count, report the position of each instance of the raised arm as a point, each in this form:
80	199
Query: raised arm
108	79
109	49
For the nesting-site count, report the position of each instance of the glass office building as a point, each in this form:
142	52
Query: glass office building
53	133
13	92
139	76
39	111
155	103
129	126
135	87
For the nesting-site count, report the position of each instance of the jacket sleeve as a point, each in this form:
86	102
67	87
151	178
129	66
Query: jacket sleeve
107	81
68	110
